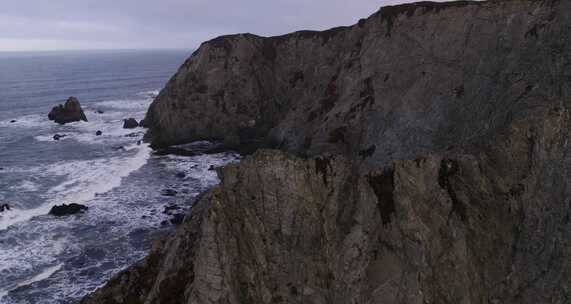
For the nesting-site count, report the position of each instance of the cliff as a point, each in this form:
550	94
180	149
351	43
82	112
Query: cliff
424	159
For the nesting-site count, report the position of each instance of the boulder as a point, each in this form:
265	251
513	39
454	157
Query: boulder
98	133
4	207
59	136
143	124
71	111
70	209
13	121
99	112
130	123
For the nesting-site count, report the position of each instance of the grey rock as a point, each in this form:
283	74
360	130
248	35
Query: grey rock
71	111
130	123
424	158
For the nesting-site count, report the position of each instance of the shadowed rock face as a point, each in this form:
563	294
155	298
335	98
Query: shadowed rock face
433	163
410	79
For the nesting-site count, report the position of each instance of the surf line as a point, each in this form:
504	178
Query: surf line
37	278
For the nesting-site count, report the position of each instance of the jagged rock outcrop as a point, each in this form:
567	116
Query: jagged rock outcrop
410	79
71	111
130	123
487	227
425	159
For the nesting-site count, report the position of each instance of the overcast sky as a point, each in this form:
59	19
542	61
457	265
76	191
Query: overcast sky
119	24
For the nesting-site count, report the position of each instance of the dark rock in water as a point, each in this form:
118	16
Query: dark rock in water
4	207
171	209
139	142
58	136
69	112
186	151
134	134
176	151
98	133
181	175
13	121
130	123
143	124
119	148
70	209
100	112
212	168
169	192
177	219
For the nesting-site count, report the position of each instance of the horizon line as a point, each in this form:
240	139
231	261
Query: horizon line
94	50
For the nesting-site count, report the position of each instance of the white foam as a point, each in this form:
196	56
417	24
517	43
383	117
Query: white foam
25	186
151	93
14	216
88	178
37	278
27	121
85	180
124	104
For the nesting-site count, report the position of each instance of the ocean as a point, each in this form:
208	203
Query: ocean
48	259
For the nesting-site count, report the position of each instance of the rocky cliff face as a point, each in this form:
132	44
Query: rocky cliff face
425	159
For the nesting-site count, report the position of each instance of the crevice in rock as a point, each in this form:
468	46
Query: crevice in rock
449	168
322	166
383	186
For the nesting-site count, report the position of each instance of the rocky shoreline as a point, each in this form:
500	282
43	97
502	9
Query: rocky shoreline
419	156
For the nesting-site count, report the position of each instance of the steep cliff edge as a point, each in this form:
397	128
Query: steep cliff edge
410	79
491	227
425	159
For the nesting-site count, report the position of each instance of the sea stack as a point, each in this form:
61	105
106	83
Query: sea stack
71	111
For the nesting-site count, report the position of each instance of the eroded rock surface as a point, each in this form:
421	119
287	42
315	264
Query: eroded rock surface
490	226
424	159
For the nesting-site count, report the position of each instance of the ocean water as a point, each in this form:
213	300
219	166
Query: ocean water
46	259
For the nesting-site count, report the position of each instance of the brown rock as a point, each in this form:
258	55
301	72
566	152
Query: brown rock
69	112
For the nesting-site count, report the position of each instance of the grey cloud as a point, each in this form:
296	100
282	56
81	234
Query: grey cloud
68	24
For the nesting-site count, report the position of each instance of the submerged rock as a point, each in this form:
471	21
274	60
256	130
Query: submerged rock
71	111
59	136
169	192
98	133
4	207
130	123
70	209
13	121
